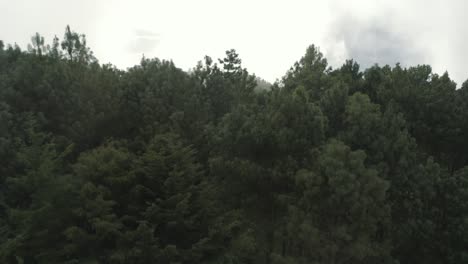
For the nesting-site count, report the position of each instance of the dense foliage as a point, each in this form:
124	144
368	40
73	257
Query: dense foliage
157	165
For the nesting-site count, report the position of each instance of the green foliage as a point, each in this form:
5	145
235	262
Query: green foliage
340	212
75	47
37	199
310	72
157	165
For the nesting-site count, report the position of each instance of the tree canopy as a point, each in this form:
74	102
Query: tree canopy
157	165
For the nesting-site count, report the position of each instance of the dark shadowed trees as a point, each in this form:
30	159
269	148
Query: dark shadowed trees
157	165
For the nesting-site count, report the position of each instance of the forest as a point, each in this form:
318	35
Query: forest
154	164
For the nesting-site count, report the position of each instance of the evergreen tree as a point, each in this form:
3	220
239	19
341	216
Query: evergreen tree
157	165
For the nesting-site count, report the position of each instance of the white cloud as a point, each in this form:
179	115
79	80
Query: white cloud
269	35
411	32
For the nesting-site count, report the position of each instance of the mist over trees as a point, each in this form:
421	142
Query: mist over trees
156	165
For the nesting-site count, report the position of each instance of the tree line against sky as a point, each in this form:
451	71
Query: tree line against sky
156	165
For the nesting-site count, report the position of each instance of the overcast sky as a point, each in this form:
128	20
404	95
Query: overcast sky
269	35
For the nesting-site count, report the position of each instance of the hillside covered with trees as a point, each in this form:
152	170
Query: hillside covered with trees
156	165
